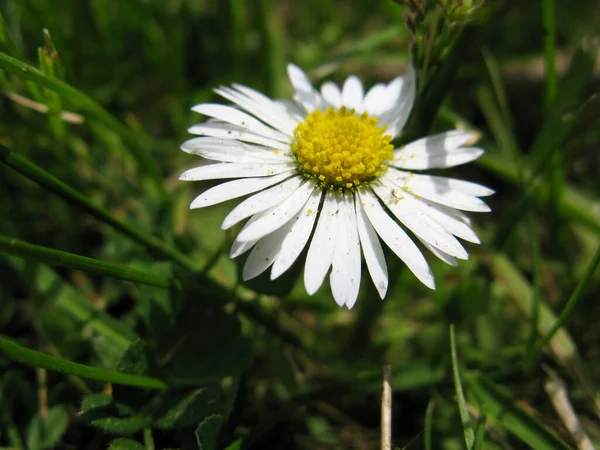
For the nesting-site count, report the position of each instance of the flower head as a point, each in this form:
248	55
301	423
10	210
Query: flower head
320	172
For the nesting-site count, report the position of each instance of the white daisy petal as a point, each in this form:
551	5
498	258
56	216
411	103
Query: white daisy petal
262	108
234	170
234	133
298	235
236	188
395	238
305	92
322	246
239	248
372	250
277	216
405	208
226	150
264	253
442	193
261	202
396	117
346	264
448	259
293	108
352	94
446	218
440	160
331	94
241	119
373	99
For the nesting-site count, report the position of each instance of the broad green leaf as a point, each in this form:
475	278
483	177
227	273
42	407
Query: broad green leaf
125	444
207	433
503	408
134	359
46	432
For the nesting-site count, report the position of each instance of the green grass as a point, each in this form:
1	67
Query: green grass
125	325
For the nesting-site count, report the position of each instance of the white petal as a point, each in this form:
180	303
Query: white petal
446	218
236	188
322	246
396	117
396	238
441	142
228	131
372	250
261	202
241	119
305	93
227	150
352	94
238	248
298	235
293	108
264	253
346	265
331	94
261	107
405	208
234	170
442	193
374	99
277	216
406	160
448	259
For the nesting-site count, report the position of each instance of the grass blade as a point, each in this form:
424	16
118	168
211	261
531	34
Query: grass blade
91	265
514	419
571	303
465	418
148	166
32	171
34	358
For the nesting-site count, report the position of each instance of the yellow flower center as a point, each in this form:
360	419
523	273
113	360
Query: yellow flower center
341	149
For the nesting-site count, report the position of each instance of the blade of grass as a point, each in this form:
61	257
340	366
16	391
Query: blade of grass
521	292
34	358
503	408
571	303
272	40
32	171
427	432
91	265
148	166
465	418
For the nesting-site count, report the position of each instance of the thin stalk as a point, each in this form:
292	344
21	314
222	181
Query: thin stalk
90	265
35	173
34	358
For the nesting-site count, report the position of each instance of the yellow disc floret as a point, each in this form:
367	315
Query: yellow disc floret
340	148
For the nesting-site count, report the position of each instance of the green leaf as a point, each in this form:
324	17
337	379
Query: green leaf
125	444
123	425
34	358
187	409
46	432
207	433
503	408
134	359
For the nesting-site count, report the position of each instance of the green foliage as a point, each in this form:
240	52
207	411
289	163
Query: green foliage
124	324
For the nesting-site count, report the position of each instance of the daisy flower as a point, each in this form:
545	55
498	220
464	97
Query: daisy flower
321	174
